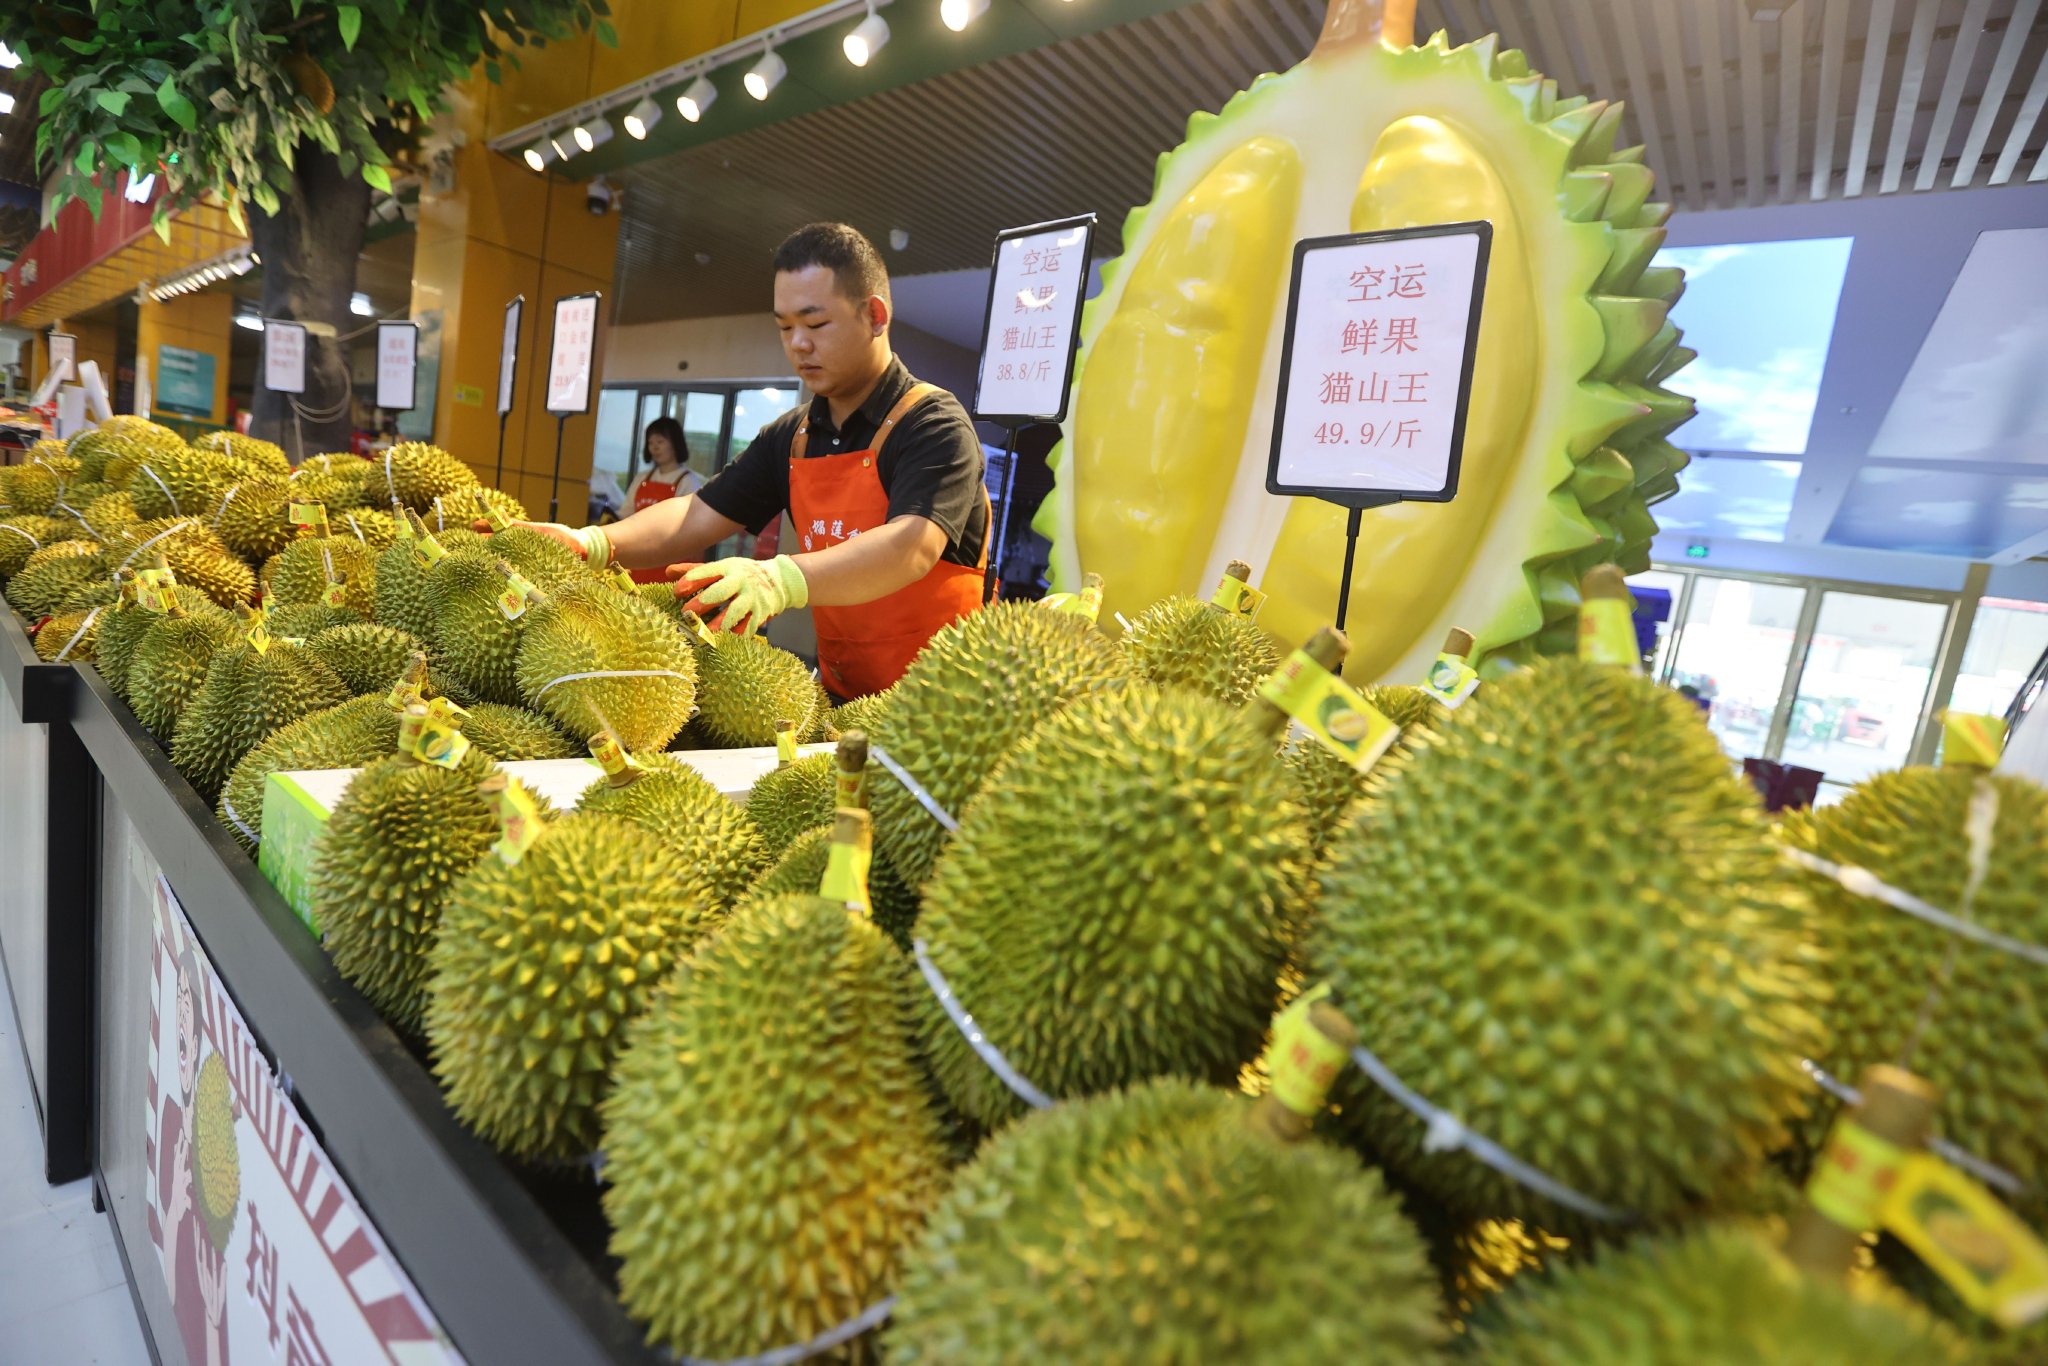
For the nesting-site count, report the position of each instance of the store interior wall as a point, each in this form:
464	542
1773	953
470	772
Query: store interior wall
202	322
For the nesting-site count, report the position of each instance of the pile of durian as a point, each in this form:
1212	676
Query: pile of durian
1551	912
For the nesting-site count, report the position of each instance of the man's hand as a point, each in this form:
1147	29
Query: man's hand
589	542
751	591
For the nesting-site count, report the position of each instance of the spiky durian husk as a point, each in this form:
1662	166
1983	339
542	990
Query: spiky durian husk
248	694
72	634
22	536
52	574
513	734
266	456
305	568
1329	787
415	474
539	968
360	731
403	834
365	657
800	869
862	714
374	527
179	481
169	666
745	685
771	1144
1188	643
1719	1293
252	516
195	555
1168	943
1532	922
792	799
36	487
402	584
674	802
977	688
1155	1224
96	448
1902	987
304	620
108	515
123	628
593	628
473	638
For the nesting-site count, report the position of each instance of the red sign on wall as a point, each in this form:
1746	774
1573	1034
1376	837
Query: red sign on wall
72	245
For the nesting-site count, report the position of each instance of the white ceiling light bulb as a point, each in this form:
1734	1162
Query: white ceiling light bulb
6	103
701	95
766	74
359	304
8	57
563	143
869	36
594	133
641	118
958	14
539	155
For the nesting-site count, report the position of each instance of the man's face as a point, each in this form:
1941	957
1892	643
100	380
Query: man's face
830	339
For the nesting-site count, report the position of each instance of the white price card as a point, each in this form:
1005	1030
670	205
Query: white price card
284	357
64	356
1376	370
398	366
508	353
1036	286
569	355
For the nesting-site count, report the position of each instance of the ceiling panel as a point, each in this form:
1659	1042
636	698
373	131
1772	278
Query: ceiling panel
1743	500
1940	511
1840	97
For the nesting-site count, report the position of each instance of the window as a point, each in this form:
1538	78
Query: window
1858	705
2006	641
1734	652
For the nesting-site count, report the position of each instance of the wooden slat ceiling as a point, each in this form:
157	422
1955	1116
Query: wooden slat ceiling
1886	96
199	234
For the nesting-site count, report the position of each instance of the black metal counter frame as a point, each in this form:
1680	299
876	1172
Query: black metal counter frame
513	1273
49	807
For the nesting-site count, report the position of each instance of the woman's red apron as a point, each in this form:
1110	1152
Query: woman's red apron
650	492
832	499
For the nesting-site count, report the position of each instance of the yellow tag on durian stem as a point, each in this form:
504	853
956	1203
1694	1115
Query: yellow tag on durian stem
1331	710
519	819
1607	633
1238	598
849	790
1855	1169
309	518
512	602
1993	1262
849	860
1302	1061
153	589
410	723
1971	739
785	743
1451	680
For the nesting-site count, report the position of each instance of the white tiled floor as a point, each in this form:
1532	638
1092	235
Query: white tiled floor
63	1301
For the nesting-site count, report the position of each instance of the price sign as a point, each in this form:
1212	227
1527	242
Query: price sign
1036	286
398	366
1376	369
63	355
508	353
284	357
569	355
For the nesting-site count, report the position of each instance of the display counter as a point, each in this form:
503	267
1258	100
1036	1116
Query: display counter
48	805
510	1263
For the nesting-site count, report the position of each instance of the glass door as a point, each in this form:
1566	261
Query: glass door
1733	652
1863	685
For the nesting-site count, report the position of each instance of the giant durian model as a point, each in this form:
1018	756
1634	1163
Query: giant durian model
1161	469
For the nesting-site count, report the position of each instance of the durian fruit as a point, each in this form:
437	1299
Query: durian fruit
80	495
36	487
477	643
401	584
1565	922
253	517
500	501
1190	643
179	482
169	665
194	554
791	800
1329	787
541	558
366	658
585	628
348	466
415	474
674	802
821	729
745	685
338	493
1566	451
108	515
1118	902
977	688
539	967
376	529
52	574
1155	1224
1970	1017
306	568
402	836
771	1147
305	620
123	445
359	732
801	868
1718	1293
216	1162
512	734
266	456
862	714
248	694
94	592
123	628
22	536
71	634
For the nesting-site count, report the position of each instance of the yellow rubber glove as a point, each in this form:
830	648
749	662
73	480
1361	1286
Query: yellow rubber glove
750	591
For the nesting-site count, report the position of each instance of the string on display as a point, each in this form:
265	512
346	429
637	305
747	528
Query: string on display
228	809
915	789
225	499
26	536
79	634
178	525
962	1021
839	1334
1990	1173
176	511
606	673
1863	882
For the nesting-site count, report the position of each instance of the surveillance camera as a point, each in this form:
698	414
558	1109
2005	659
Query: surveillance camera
598	196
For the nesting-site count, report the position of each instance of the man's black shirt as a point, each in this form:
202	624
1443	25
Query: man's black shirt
931	466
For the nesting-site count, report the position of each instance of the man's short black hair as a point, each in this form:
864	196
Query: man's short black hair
844	251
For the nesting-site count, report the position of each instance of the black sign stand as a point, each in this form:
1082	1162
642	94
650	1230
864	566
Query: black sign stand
1353	524
1002	528
517	308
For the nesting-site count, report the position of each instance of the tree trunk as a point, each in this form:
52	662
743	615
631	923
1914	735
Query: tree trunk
309	250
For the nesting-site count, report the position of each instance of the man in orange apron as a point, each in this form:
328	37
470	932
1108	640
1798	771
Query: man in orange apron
881	476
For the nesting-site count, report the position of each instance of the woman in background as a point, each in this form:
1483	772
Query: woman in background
668	474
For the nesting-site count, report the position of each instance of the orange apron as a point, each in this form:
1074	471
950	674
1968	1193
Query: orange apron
832	499
650	492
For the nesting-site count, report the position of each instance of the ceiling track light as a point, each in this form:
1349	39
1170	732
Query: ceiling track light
641	118
540	156
762	78
869	36
593	133
701	95
958	14
564	143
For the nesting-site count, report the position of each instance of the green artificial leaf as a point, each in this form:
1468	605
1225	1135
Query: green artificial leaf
52	97
265	197
378	178
606	34
115	102
83	49
420	105
235	213
87	153
495	72
350	17
160	220
89	191
175	106
124	149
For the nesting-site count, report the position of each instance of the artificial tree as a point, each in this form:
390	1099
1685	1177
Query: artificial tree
291	111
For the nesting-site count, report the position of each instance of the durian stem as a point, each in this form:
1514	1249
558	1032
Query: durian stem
1897	1108
1458	644
1390	22
1239	570
1327	647
1272	1118
850	791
